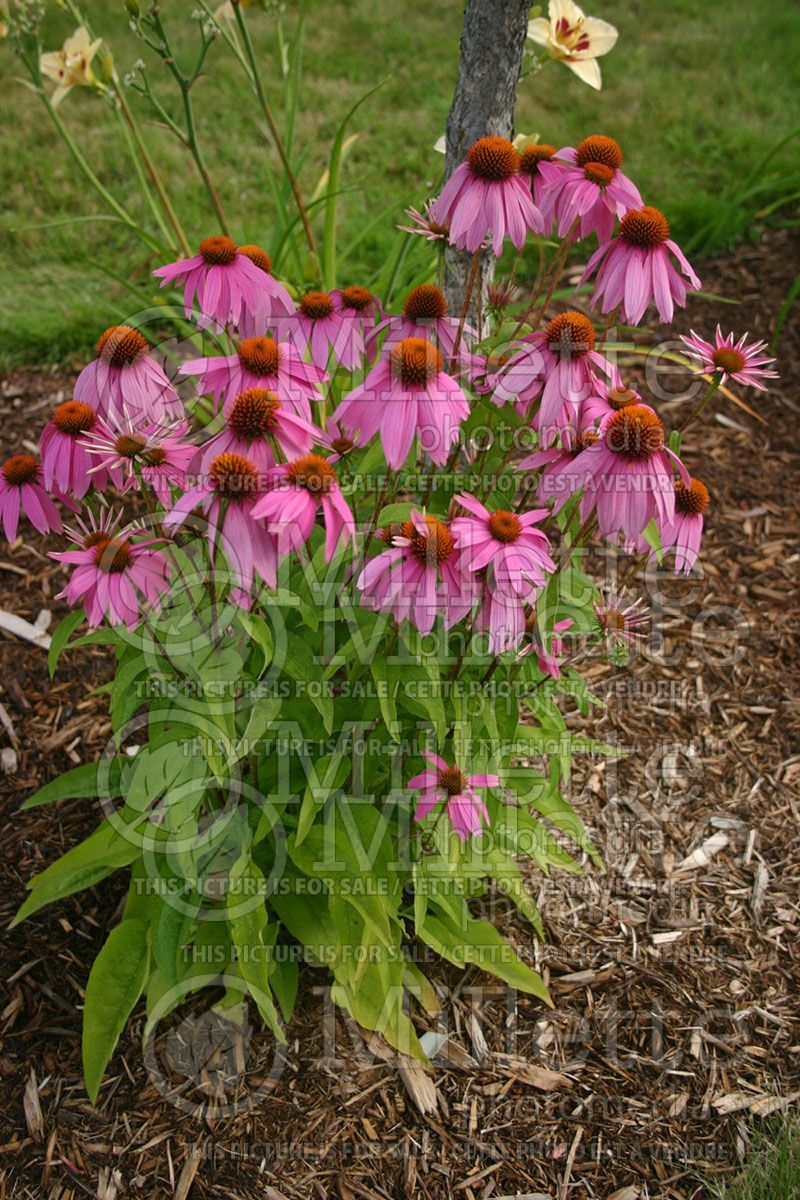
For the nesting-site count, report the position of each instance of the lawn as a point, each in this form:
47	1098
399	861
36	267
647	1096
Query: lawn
696	98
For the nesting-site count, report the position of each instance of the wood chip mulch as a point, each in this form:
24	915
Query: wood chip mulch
674	973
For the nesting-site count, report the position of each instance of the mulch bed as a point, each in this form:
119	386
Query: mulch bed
674	973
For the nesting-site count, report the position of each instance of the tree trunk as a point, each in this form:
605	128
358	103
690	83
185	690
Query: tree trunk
492	46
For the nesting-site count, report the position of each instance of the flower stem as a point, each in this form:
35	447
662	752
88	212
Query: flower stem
102	191
716	380
184	83
273	128
166	204
555	275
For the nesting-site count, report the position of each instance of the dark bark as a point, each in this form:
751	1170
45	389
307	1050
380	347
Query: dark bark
492	46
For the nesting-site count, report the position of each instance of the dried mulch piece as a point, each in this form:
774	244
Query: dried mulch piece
674	973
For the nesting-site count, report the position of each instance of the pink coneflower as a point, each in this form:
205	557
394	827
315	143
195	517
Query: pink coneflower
418	577
515	556
635	268
358	306
735	360
155	452
259	362
587	186
425	225
406	393
124	377
465	808
233	285
627	474
339	442
21	488
556	363
67	465
531	160
424	316
684	532
606	399
546	658
296	491
487	194
483	372
226	495
114	572
316	325
255	424
556	462
621	621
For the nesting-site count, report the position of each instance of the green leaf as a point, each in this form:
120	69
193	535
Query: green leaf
88	780
61	636
334	170
463	939
116	982
81	867
284	979
248	924
170	932
301	665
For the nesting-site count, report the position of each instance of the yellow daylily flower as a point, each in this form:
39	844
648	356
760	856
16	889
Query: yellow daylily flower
573	38
70	66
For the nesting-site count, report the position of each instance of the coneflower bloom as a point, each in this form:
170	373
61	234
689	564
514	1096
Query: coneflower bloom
635	267
67	464
627	474
734	360
483	372
255	424
586	185
155	452
226	495
418	577
684	532
233	285
621	620
21	489
359	306
114	572
556	363
424	316
295	493
407	392
546	658
608	397
487	194
317	326
441	783
125	378
259	362
554	463
515	557
425	225
531	159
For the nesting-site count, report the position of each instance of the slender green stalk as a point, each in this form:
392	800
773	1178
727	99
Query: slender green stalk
158	216
152	171
185	83
716	380
101	190
273	128
555	274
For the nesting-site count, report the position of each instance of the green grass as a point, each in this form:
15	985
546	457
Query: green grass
696	95
773	1170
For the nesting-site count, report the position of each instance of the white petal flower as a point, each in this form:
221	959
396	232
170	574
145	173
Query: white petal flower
573	38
